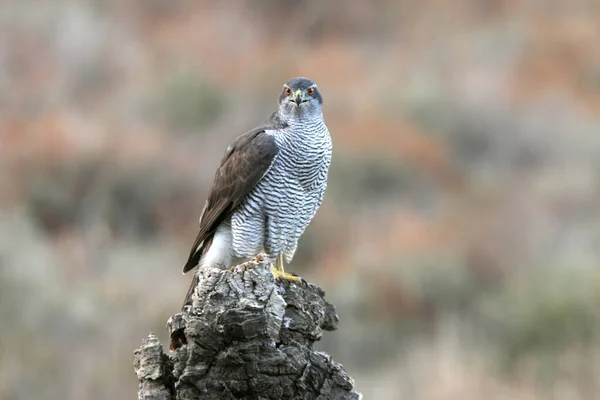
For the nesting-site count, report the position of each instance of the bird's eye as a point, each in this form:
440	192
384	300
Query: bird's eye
288	91
310	91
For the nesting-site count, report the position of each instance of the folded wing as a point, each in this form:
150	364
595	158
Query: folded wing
245	163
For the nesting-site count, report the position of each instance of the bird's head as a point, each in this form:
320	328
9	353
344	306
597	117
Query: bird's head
300	98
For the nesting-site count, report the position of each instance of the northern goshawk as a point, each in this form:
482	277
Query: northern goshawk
268	187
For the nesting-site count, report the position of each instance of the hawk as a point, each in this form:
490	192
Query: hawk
269	185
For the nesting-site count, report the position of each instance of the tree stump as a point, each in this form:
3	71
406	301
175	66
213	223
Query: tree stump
245	337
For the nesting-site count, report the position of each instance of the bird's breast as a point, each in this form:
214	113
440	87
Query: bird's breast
306	168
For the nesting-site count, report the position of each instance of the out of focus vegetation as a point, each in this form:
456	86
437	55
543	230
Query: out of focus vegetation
459	238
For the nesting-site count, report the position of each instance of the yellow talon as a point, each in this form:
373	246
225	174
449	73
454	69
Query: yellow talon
286	276
281	275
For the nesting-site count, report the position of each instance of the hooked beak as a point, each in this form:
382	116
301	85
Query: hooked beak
298	98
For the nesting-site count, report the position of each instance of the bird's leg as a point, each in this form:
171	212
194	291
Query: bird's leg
279	262
281	275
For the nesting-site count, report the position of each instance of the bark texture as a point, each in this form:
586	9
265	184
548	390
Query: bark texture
245	337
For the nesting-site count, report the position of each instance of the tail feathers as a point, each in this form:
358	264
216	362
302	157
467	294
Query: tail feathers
188	296
197	253
192	261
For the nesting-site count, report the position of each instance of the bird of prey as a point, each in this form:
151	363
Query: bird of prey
268	187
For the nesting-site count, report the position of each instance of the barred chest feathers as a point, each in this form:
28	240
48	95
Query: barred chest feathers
305	155
286	199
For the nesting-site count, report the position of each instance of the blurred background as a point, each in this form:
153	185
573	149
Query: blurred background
460	234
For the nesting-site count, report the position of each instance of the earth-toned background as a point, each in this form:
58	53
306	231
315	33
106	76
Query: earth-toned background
460	233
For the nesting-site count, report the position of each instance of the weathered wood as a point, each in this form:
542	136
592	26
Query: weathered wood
153	370
245	337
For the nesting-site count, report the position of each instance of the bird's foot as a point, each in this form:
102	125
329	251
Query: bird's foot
261	257
242	267
287	276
